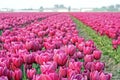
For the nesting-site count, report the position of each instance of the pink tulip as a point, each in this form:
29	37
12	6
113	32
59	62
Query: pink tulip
60	57
50	76
99	66
81	46
97	54
48	67
79	55
3	78
62	71
17	75
105	76
17	62
88	58
28	58
70	49
87	50
74	39
75	66
71	72
88	65
30	73
64	79
43	57
89	43
94	75
78	77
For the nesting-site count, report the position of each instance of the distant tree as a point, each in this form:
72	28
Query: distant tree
41	9
61	6
56	6
111	8
95	9
69	8
117	5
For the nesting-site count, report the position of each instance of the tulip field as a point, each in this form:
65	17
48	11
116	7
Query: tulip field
51	46
104	24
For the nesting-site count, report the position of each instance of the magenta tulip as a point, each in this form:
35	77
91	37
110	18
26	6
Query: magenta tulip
94	75
17	74
30	73
88	58
48	67
97	54
70	49
60	57
62	71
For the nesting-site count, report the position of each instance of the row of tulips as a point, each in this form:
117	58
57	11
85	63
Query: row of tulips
10	20
104	24
49	50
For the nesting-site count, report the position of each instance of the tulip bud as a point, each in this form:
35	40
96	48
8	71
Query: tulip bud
50	76
97	54
99	66
105	76
17	62
80	55
30	73
78	77
63	72
43	57
87	50
60	57
75	66
74	39
17	75
64	79
71	72
94	75
88	58
81	46
3	78
28	58
89	43
70	49
48	67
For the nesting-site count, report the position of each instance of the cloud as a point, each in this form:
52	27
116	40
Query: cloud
17	4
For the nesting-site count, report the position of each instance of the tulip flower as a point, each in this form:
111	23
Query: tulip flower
105	76
94	75
48	67
43	57
75	66
17	75
79	55
17	62
3	78
70	49
28	58
52	42
97	54
30	73
60	58
99	66
87	50
78	77
50	76
81	46
71	72
88	58
63	71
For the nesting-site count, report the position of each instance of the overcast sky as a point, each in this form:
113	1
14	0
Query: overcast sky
20	4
